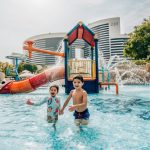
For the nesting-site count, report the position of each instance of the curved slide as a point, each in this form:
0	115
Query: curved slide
31	84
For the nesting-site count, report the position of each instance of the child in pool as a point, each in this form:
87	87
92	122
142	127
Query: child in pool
79	106
53	104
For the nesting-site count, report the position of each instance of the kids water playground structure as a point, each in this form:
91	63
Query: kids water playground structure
88	68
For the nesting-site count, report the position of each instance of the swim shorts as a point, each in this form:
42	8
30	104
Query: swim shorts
82	115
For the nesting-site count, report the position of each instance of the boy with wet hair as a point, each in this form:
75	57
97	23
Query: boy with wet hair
79	97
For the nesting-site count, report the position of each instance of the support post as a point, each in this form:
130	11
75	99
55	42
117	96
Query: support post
16	70
66	63
96	59
108	79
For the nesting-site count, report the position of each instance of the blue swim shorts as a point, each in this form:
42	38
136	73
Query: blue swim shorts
82	115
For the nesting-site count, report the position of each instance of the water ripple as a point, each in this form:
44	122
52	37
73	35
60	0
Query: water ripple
123	106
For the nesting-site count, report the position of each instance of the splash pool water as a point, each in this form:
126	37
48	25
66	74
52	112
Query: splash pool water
117	122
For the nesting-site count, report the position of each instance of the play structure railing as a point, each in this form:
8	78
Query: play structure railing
86	68
110	83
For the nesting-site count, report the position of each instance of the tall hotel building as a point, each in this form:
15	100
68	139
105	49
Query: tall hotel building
50	41
111	42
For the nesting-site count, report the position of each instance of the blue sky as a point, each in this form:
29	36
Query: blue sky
20	19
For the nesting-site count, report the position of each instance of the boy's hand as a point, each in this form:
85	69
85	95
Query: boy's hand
72	108
61	112
49	109
29	102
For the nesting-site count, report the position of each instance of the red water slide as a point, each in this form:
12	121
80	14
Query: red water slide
31	84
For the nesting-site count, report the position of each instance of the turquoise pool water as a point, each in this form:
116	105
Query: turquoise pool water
117	122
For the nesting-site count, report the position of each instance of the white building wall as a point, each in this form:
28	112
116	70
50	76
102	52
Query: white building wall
106	30
50	42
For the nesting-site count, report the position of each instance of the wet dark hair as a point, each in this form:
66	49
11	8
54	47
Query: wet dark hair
56	86
79	77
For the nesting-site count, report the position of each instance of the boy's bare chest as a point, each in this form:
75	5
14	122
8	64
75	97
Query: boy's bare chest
77	97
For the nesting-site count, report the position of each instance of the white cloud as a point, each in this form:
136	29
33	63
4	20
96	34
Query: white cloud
20	19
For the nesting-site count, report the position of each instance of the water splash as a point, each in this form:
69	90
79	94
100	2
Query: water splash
124	71
60	60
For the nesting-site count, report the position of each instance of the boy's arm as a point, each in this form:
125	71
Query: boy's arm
59	105
29	102
66	102
83	104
